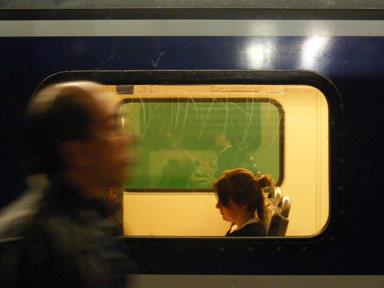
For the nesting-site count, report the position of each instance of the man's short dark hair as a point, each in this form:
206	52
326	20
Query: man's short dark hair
56	114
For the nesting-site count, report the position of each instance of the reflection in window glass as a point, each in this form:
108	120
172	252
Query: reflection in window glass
184	144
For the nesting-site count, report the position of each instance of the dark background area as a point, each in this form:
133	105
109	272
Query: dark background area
353	242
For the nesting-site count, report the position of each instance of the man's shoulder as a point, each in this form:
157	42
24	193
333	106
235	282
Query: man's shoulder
16	216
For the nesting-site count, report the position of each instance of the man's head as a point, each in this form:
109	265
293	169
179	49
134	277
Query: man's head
73	129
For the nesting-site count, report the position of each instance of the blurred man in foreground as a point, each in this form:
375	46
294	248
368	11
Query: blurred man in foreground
76	140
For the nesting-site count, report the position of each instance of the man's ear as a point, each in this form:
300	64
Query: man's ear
71	153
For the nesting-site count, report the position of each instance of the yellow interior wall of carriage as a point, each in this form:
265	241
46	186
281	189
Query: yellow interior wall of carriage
306	168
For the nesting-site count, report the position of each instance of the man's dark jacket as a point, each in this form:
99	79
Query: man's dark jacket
69	242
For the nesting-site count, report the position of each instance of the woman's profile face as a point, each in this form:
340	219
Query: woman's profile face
231	212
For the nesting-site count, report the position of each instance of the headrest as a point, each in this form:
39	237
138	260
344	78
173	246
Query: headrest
285	206
278	196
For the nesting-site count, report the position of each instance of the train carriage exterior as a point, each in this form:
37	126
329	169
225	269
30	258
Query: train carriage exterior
316	81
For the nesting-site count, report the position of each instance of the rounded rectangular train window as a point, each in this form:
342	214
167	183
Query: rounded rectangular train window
189	134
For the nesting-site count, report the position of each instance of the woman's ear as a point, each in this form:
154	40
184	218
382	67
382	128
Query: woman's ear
243	208
236	206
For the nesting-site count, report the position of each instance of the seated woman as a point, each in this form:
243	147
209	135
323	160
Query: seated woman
241	202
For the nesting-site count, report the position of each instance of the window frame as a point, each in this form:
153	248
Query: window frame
222	247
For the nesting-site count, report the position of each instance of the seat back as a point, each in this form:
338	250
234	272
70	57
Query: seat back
278	222
278	225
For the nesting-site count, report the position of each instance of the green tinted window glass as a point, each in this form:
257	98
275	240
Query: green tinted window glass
185	144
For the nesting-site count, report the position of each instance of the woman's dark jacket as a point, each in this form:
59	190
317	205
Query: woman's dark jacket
252	229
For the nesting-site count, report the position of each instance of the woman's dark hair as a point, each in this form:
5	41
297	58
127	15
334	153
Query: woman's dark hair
267	184
243	187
